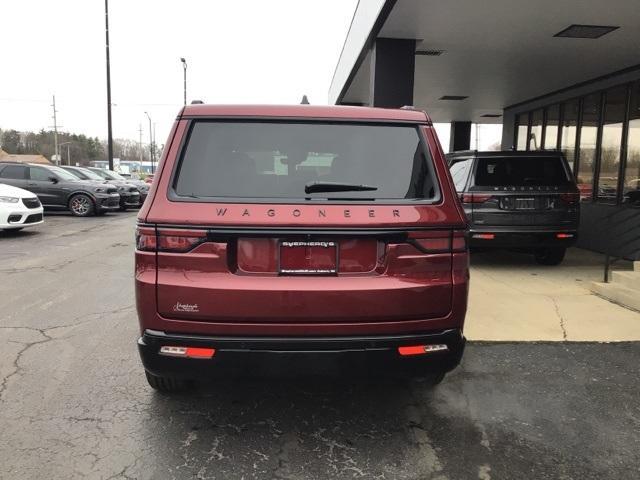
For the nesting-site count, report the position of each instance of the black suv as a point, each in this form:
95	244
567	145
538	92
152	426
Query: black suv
129	194
112	177
518	200
58	189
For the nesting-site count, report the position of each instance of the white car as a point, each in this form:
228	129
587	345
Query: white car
18	208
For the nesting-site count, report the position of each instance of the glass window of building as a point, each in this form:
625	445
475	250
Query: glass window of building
551	127
522	124
613	121
588	140
631	191
569	130
535	138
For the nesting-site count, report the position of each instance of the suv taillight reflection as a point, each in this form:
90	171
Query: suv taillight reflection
168	240
570	198
475	197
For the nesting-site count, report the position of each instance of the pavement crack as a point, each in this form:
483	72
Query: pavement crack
560	317
53	268
16	362
44	332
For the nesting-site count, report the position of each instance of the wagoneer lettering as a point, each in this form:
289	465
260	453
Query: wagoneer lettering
300	229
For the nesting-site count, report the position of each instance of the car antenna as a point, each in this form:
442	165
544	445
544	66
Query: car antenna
305	100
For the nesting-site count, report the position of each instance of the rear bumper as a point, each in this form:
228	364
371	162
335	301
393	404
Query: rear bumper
513	237
230	348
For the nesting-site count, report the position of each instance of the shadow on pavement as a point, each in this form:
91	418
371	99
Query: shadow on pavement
511	411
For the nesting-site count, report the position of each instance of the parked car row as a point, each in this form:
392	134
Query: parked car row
27	189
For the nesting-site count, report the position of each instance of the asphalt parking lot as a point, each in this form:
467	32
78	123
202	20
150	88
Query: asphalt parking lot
74	402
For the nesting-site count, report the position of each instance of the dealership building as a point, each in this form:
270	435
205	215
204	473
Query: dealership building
556	74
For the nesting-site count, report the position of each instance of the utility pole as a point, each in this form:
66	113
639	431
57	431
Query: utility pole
109	132
68	144
140	143
55	129
150	140
154	148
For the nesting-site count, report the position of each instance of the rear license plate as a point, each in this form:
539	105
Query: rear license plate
308	257
525	203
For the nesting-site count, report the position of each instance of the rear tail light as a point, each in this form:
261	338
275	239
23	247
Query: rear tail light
439	241
564	235
146	239
187	352
168	240
421	349
459	241
570	198
475	197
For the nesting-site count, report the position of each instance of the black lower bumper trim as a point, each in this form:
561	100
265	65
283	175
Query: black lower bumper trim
228	348
522	239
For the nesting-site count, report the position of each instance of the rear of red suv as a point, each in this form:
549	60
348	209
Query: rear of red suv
300	229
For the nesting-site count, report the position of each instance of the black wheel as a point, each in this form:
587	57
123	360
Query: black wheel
550	256
123	208
166	384
81	205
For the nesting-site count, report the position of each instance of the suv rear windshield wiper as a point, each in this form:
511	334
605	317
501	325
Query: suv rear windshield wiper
313	187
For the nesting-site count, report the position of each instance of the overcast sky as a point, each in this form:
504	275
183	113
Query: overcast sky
240	51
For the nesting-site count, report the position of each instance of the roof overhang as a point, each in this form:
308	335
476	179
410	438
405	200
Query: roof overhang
493	53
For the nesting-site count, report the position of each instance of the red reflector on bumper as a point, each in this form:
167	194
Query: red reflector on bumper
194	352
484	236
564	235
189	352
421	349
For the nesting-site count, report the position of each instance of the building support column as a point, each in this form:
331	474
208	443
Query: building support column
392	71
460	138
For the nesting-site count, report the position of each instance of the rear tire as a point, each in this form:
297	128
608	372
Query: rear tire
550	256
166	384
81	205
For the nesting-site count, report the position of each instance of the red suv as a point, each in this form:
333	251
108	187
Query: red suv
300	229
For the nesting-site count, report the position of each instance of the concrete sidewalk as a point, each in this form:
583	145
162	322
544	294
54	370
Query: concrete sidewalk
514	299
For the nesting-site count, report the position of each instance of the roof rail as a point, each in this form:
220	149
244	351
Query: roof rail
416	109
197	102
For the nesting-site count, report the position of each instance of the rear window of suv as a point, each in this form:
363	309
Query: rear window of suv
277	160
521	171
